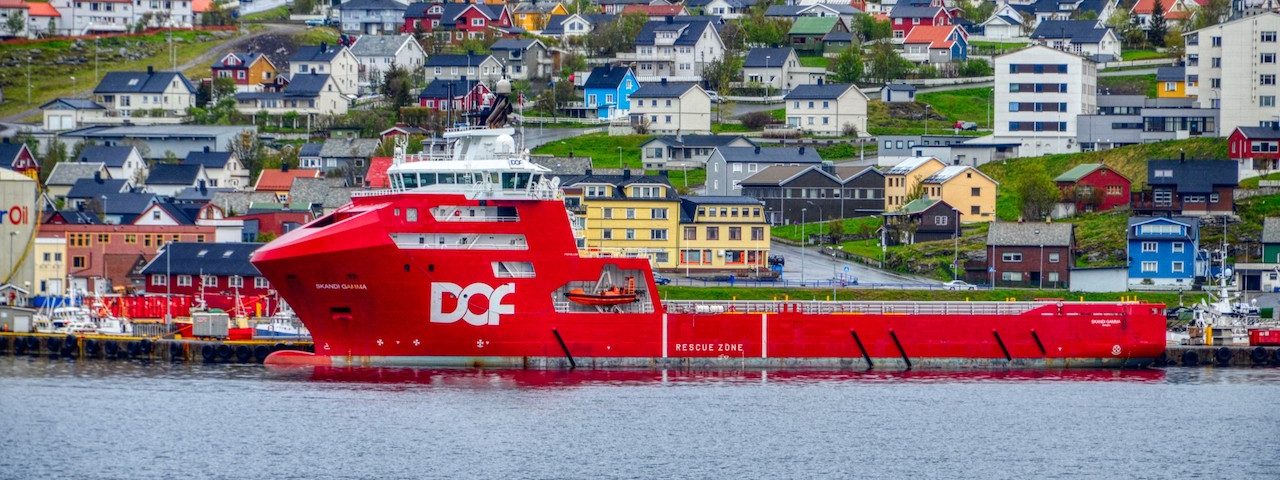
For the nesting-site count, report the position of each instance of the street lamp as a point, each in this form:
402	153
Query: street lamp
104	209
955	259
926	118
802	245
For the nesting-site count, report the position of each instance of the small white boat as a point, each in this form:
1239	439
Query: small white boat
114	326
284	324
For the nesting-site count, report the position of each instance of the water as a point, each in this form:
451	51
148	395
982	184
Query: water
98	419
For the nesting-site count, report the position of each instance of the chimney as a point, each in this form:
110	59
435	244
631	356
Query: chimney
97	176
802	150
820	81
588	172
284	166
206	149
151	69
664	81
626	174
324	46
757	149
200	186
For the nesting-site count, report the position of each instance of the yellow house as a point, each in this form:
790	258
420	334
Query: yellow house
626	216
50	266
1171	82
901	180
966	189
534	16
723	234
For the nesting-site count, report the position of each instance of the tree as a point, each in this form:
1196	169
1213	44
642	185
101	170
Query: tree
1157	27
887	64
570	63
917	191
1084	14
1038	193
223	88
248	148
756	120
768	31
975	67
1174	44
848	66
1131	36
560	92
1210	14
835	229
16	23
55	154
733	35
618	35
866	28
718	74
397	86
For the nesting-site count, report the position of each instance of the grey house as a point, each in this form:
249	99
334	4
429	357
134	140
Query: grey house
348	157
898	92
728	166
686	151
522	58
1133	119
809	193
371	17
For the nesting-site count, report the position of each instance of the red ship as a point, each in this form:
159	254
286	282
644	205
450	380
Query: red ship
471	260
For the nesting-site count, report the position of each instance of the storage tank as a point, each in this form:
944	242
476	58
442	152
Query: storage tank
18	218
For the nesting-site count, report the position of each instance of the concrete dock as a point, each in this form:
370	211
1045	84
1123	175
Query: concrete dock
120	347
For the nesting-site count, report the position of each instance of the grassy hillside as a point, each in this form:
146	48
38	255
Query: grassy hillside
621	151
969	104
851	226
1130	161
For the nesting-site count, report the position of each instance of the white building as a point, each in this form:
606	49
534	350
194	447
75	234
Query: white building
378	53
778	69
1039	92
1234	67
1090	38
125	93
668	107
335	61
674	49
827	109
308	94
79	17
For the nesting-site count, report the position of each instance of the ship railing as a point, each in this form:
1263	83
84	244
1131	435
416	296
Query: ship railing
478	218
851	308
373	193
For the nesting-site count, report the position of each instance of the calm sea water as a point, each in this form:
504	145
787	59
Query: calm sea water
98	419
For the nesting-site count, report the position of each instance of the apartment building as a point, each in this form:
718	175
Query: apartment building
334	60
672	108
1233	67
674	49
1039	92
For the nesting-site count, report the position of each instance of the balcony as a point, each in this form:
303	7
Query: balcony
646	57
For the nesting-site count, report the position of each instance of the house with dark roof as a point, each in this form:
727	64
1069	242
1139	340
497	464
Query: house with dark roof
17	156
167	179
1088	38
723	234
1164	252
726	9
810	192
1092	187
70	113
309	155
778	70
1257	149
829	109
523	58
123	208
1171	82
608	90
626	215
122	161
320	196
574	25
249	70
219	272
1188	187
936	44
1005	23
125	93
463	95
675	49
336	61
460	21
485	68
306	93
1043	10
899	92
906	16
371	17
728	166
1031	254
921	220
377	54
65	175
614	7
87	191
348	158
671	108
224	169
685	151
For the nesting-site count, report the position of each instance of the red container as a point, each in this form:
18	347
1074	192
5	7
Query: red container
1266	338
239	334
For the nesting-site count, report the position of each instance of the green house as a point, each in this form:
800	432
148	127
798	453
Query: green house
1271	240
806	33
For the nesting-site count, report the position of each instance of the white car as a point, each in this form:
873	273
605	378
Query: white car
959	285
715	96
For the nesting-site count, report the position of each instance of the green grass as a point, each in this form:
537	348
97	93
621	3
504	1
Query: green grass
814	61
779	114
865	225
867	247
274	14
842	151
695	178
1253	182
990	45
729	128
945	108
672	292
51	80
600	147
1130	85
316	35
970	104
1131	55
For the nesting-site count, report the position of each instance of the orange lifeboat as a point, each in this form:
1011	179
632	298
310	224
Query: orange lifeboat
605	298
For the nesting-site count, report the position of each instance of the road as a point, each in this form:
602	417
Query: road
255	6
822	267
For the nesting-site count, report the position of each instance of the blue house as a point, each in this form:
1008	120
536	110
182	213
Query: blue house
608	89
1164	252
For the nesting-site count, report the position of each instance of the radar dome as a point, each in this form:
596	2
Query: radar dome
504	144
503	87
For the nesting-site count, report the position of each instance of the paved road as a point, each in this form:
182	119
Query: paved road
822	267
738	109
255	6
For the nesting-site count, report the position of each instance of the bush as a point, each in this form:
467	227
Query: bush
756	120
975	68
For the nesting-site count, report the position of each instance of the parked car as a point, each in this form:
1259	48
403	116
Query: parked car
963	125
715	96
661	280
959	285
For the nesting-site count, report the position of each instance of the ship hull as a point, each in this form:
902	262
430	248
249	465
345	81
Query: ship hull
368	299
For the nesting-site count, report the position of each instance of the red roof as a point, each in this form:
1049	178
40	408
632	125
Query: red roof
40	9
12	4
1173	9
377	176
937	36
200	6
276	180
655	10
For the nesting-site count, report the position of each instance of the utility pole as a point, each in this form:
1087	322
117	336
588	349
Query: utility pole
802	245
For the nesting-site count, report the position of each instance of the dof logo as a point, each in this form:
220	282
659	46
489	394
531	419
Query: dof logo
462	299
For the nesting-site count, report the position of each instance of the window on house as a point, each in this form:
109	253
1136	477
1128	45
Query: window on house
606	234
1011	257
1177	267
690	233
261	283
658	234
606	212
209	280
235	281
735	233
1011	276
631	234
159	280
1149	267
1149	247
975	210
1054	258
713	233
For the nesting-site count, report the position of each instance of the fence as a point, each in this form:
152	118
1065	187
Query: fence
828	283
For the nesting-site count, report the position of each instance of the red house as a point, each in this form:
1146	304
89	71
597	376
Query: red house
245	68
17	157
425	15
1255	148
905	17
473	20
219	273
100	257
466	95
1094	187
273	223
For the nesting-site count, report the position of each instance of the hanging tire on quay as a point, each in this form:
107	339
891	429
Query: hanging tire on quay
243	354
224	352
1260	356
134	349
146	347
261	352
1190	358
175	352
4	345
208	353
112	349
1223	355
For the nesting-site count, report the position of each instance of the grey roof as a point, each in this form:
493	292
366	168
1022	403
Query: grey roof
771	155
606	76
441	88
379	45
908	165
461	60
141	82
900	87
349	148
112	157
621	180
514	44
1192	223
689	204
1171	74
784	10
159	131
698	140
173	174
1011	234
238	202
1079	31
66	173
72	103
326	192
563	165
913	11
310	149
838	36
93	188
77	217
372	5
1193	176
417	10
199	195
306	84
128	204
1260	133
774	174
204	259
690	30
316	53
767	57
208	159
1271	230
826	91
662	90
